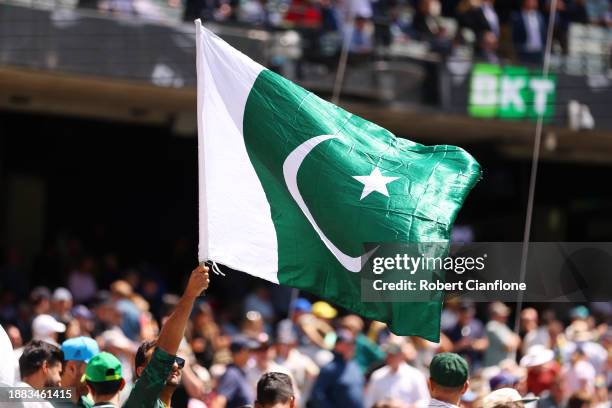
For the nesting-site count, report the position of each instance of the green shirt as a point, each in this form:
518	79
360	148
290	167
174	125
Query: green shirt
146	390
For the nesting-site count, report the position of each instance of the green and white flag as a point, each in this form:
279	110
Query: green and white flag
292	186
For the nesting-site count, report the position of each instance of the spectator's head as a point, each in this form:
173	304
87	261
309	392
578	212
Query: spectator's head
530	5
253	324
324	310
241	348
499	311
537	356
262	352
429	7
61	302
275	390
503	380
352	323
103	377
203	315
121	290
579	400
299	307
448	377
14	335
529	319
579	313
395	355
466	312
285	339
345	344
40	300
143	357
77	353
505	398
557	391
40	365
45	327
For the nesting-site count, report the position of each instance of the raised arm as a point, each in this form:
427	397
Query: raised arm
173	330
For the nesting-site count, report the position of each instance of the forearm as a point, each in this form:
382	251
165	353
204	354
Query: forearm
173	330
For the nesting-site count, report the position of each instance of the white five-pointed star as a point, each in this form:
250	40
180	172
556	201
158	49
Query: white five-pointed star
374	182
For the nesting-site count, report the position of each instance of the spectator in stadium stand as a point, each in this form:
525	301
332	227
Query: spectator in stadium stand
398	381
104	380
303	14
503	380
40	366
542	369
40	300
502	341
205	334
14	336
487	48
505	398
309	330
596	11
262	363
448	380
61	304
556	397
303	370
361	36
529	33
275	390
158	369
122	295
46	328
340	382
428	26
326	313
81	281
367	353
579	374
530	332
580	337
479	16
233	389
78	351
468	335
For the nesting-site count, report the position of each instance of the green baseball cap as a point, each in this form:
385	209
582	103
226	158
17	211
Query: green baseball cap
449	370
103	367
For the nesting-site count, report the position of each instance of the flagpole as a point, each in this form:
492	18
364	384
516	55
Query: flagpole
341	70
534	169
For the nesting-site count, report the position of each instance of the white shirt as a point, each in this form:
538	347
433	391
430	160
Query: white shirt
407	385
42	404
434	403
580	376
532	27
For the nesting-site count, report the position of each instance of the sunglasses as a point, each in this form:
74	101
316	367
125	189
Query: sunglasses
180	362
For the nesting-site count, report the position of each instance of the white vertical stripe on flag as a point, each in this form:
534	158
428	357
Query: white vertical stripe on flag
236	226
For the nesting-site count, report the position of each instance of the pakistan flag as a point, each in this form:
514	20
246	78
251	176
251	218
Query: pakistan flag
292	187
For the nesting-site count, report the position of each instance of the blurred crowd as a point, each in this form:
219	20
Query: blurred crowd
561	355
494	30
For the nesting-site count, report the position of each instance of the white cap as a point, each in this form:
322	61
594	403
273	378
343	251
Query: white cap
44	325
116	338
62	294
536	356
504	395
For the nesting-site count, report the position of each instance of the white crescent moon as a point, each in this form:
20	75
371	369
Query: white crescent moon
291	167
